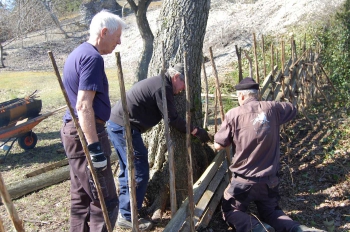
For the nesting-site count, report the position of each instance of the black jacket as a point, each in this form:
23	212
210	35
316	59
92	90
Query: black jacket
145	105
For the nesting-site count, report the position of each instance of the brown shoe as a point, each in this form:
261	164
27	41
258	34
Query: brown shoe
144	225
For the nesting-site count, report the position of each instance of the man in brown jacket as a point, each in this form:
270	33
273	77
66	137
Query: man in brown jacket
253	128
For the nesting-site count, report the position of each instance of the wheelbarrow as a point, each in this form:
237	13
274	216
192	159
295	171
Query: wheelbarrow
17	119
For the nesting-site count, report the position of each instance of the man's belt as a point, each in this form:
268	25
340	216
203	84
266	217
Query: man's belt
252	179
97	120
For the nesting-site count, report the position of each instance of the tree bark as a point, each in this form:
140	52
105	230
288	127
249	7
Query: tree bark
89	8
1	57
178	37
140	11
54	19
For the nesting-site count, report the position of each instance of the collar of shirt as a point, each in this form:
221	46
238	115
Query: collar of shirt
250	99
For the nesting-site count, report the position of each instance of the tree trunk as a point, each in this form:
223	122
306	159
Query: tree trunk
140	11
89	8
54	19
1	57
178	37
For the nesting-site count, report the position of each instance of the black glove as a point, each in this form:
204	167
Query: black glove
202	135
98	159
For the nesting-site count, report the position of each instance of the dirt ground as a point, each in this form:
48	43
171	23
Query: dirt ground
314	162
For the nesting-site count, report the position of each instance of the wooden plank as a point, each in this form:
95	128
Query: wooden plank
213	204
206	197
266	84
278	83
198	189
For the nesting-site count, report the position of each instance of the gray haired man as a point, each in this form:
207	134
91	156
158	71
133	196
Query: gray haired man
253	128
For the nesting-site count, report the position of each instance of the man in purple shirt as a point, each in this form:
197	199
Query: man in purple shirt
86	85
253	128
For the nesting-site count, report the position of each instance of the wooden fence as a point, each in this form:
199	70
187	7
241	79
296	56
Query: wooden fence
300	81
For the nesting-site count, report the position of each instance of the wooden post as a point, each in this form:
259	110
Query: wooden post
206	106
239	57
273	73
216	111
283	55
250	64
282	65
6	199
217	84
84	145
292	49
130	148
169	142
263	52
227	149
188	146
1	57
256	62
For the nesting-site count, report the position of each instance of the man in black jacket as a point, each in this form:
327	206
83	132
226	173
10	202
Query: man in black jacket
145	107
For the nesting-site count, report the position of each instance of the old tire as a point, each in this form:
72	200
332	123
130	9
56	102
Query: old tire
28	141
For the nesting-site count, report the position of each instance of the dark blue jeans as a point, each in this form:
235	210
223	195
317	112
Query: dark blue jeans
117	136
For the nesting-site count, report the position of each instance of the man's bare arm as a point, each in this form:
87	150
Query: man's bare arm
86	115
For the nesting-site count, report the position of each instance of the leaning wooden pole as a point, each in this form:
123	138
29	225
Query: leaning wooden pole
328	79
130	148
169	142
206	106
6	199
227	149
188	146
84	145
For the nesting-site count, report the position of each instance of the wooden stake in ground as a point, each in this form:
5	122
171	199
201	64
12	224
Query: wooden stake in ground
84	145
239	58
263	53
130	148
227	149
250	64
169	142
188	145
206	106
256	61
273	72
6	199
282	66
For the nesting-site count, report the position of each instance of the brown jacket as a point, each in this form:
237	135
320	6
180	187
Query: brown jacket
254	128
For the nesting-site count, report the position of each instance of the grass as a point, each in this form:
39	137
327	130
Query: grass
48	208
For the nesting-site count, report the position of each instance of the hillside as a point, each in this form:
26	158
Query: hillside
229	24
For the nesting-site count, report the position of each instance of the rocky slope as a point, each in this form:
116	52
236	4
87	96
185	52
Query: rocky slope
230	23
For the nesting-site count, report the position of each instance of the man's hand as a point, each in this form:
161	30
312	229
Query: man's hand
202	135
98	158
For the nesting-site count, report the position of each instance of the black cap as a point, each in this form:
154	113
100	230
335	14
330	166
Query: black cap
180	68
247	83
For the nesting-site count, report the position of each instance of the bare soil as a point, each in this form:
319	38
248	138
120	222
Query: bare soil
314	163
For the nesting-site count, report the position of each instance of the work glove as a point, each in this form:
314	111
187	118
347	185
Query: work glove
202	135
98	158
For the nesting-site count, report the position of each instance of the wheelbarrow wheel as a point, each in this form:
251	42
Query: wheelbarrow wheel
28	141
